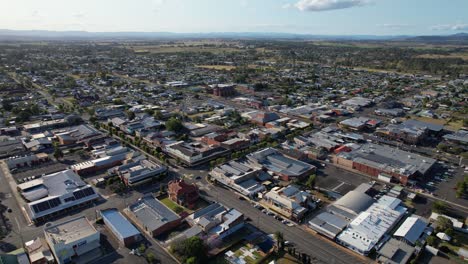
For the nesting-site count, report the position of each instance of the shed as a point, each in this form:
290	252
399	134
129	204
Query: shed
123	230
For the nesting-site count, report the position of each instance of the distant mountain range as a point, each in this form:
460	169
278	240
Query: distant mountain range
6	34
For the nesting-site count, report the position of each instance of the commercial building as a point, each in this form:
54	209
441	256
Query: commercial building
72	239
217	221
194	153
223	90
370	226
105	159
410	131
152	216
38	251
357	102
411	230
459	137
139	172
351	205
54	194
11	147
288	201
328	224
26	160
359	123
373	159
121	228
76	135
395	252
45	125
277	164
238	176
261	118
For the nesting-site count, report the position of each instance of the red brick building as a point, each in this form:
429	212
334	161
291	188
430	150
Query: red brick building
183	193
224	90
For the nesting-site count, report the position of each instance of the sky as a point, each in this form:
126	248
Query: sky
319	17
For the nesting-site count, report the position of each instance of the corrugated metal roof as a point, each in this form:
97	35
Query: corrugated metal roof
119	223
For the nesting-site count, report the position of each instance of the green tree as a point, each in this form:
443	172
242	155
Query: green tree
7	105
158	115
443	224
150	258
174	124
311	181
130	114
431	240
439	207
192	247
58	154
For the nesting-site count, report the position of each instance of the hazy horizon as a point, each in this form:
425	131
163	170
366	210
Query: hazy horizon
311	17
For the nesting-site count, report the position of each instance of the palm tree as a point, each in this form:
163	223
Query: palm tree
279	240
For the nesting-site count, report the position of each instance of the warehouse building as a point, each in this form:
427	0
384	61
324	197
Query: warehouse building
328	224
351	204
411	229
152	216
123	230
370	226
373	159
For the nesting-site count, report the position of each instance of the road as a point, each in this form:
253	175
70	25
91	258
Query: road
324	251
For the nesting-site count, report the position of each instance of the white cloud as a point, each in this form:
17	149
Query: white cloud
157	5
393	26
324	5
79	15
454	27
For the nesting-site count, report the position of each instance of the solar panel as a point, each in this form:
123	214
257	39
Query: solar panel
35	208
43	206
54	202
71	198
78	194
88	191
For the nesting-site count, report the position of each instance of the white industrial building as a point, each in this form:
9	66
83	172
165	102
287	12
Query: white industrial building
370	226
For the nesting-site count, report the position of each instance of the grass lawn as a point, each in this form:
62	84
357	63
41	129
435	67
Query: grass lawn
217	67
284	258
173	206
430	120
454	125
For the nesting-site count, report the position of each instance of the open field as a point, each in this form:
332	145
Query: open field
157	49
217	67
461	55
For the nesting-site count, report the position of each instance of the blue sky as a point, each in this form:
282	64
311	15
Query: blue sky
330	17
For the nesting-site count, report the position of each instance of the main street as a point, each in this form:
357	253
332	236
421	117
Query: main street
324	250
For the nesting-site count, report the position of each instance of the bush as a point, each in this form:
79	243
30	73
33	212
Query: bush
150	258
142	248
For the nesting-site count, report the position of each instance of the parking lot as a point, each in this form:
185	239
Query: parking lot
38	171
338	180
